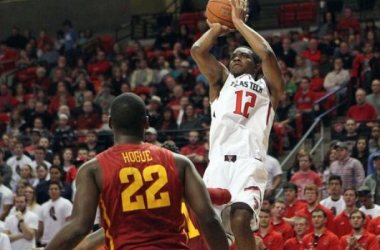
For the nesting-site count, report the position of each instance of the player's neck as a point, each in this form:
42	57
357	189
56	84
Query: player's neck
300	237
319	231
264	230
335	197
350	209
127	139
276	220
358	231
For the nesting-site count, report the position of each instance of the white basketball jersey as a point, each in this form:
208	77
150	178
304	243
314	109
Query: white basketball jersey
242	118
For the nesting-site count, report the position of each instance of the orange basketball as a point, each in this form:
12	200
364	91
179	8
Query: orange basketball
219	11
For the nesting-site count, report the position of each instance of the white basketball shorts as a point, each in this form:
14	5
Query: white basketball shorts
246	180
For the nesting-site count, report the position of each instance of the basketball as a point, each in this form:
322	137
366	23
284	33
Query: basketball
219	11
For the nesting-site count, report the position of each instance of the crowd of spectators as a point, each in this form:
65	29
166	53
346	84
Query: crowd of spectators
59	94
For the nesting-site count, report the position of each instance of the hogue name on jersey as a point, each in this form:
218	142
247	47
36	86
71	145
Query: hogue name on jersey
247	84
136	156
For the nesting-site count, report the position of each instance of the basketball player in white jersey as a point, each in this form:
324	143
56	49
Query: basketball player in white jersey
242	112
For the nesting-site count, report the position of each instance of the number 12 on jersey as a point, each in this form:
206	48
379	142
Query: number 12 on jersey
249	102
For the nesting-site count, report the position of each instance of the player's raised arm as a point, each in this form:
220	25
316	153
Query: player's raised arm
198	199
261	47
84	211
214	71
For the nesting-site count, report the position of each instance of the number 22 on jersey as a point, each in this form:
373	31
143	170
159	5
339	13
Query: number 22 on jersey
154	198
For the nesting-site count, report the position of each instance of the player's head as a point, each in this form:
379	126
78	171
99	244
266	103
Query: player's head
128	115
242	61
357	219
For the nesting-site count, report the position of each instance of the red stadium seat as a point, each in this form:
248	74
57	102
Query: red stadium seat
287	14
107	43
5	117
190	19
307	12
280	132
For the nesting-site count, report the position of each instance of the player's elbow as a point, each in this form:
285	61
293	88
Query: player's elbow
81	228
196	51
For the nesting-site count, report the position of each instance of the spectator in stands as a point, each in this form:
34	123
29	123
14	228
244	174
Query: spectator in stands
16	124
304	100
39	158
16	162
184	101
277	222
38	125
341	224
35	136
67	159
142	76
360	151
16	40
274	171
330	156
88	96
63	71
362	111
366	199
186	79
351	134
196	152
350	169
42	189
89	119
6	198
328	25
305	176
79	92
335	201
320	235
301	69
54	213
311	193
22	226
316	82
312	54
293	205
151	136
287	54
100	65
6	170
116	81
175	102
31	203
348	22
165	38
374	98
371	180
167	122
359	238
72	173
373	227
373	140
6	99
63	135
271	239
337	78
324	65
361	65
42	175
45	143
27	174
62	97
92	142
297	44
40	111
104	97
190	119
300	227
345	54
154	110
374	64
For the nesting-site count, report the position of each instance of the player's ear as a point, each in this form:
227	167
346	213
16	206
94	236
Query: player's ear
146	122
110	122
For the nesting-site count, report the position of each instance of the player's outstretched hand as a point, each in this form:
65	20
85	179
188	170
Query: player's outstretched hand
239	10
222	29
